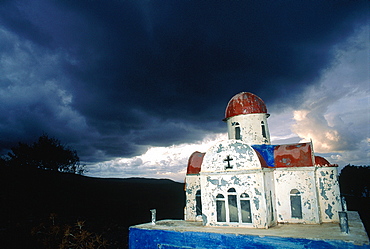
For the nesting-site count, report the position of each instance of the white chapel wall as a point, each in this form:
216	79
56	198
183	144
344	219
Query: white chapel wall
241	156
289	180
270	196
248	182
328	193
250	128
191	188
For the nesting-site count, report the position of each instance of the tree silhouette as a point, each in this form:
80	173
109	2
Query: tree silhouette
355	181
47	154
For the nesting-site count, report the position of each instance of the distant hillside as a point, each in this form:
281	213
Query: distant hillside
108	206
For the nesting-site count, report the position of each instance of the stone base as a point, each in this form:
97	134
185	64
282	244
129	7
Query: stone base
171	234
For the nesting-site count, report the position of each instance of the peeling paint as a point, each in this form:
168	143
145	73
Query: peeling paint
257	192
205	220
256	202
267	152
297	155
212	181
236	180
323	192
195	162
330	186
223	182
220	148
328	211
267	177
250	128
308	204
245	103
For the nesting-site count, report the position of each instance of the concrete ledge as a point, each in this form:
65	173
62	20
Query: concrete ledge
182	234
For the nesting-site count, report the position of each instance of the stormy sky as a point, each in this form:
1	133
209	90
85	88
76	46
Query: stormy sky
136	86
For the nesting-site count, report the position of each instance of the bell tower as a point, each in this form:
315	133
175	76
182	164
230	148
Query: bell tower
246	117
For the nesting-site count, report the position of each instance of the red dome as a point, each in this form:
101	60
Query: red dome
320	161
245	103
195	163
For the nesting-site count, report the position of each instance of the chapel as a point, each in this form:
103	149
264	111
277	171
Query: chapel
245	181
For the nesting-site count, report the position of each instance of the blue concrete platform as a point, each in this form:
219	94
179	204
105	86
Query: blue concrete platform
171	234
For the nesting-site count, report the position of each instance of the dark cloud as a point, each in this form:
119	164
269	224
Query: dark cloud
127	74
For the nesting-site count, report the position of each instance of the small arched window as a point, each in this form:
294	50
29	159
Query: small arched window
198	203
220	208
296	203
233	205
245	206
237	133
263	129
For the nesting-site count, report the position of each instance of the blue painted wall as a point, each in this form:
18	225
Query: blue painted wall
267	152
150	239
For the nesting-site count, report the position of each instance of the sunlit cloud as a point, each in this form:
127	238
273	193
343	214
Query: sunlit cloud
158	162
339	132
335	114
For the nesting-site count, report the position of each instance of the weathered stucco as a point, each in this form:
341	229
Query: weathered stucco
328	193
192	185
250	183
270	196
241	156
235	164
250	128
245	181
303	180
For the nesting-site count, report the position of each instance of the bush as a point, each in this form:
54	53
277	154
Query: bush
47	154
51	235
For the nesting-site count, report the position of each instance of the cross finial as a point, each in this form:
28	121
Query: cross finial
228	159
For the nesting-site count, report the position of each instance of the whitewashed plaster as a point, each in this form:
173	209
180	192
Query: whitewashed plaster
245	176
270	196
302	179
243	157
328	193
251	183
191	187
250	128
271	191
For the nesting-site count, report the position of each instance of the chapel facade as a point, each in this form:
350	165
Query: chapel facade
246	181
